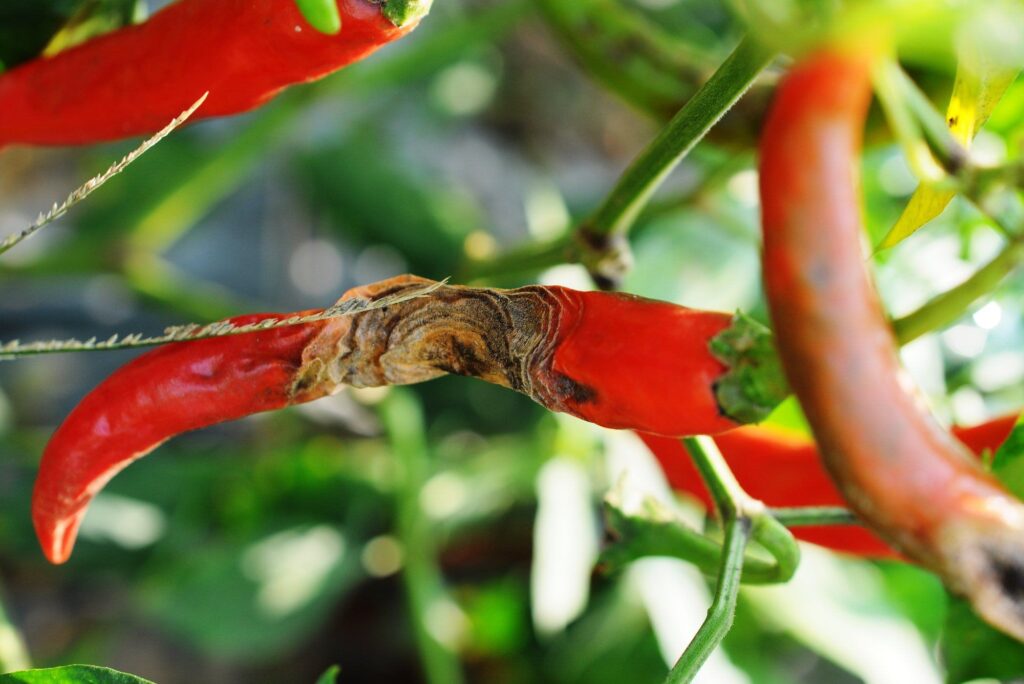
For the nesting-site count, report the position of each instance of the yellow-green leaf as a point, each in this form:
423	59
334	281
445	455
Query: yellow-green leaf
978	88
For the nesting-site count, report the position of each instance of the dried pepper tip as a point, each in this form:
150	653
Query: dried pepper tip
402	12
755	382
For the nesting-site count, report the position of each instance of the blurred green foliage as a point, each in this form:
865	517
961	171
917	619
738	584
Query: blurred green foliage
271	549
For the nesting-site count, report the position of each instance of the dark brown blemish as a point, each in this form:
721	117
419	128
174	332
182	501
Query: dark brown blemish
568	389
462	359
1009	573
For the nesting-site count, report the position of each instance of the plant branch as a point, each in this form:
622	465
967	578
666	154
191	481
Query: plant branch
951	305
813	516
723	607
601	237
655	531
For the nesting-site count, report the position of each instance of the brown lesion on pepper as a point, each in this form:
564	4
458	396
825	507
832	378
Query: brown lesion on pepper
506	337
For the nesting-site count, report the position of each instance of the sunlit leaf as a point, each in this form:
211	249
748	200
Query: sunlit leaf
94	18
978	88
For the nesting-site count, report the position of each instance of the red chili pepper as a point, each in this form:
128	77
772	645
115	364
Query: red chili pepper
136	79
784	469
170	390
571	351
913	483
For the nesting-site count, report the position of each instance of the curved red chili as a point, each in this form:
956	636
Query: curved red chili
914	484
784	469
570	351
136	79
170	390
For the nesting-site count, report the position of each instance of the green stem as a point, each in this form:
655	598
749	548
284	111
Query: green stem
620	209
658	533
891	88
732	502
813	515
933	127
951	305
403	420
528	258
723	607
725	490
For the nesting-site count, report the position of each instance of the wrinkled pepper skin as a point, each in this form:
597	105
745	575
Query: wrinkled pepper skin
136	79
570	351
783	469
914	484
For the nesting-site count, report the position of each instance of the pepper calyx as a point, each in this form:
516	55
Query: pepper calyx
754	383
403	12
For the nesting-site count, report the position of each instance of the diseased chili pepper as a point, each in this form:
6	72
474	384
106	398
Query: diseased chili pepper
783	469
136	79
909	479
570	351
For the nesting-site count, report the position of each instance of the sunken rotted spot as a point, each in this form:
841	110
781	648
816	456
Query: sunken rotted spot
1009	573
569	390
462	359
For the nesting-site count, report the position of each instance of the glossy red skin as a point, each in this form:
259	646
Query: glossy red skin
784	469
648	362
170	390
135	80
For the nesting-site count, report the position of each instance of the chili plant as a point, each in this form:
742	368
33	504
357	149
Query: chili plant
278	546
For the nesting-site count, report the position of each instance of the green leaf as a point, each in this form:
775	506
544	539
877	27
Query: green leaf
973	650
330	676
72	674
979	86
1008	462
321	14
94	18
789	417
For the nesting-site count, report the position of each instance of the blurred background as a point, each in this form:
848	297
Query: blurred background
447	531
